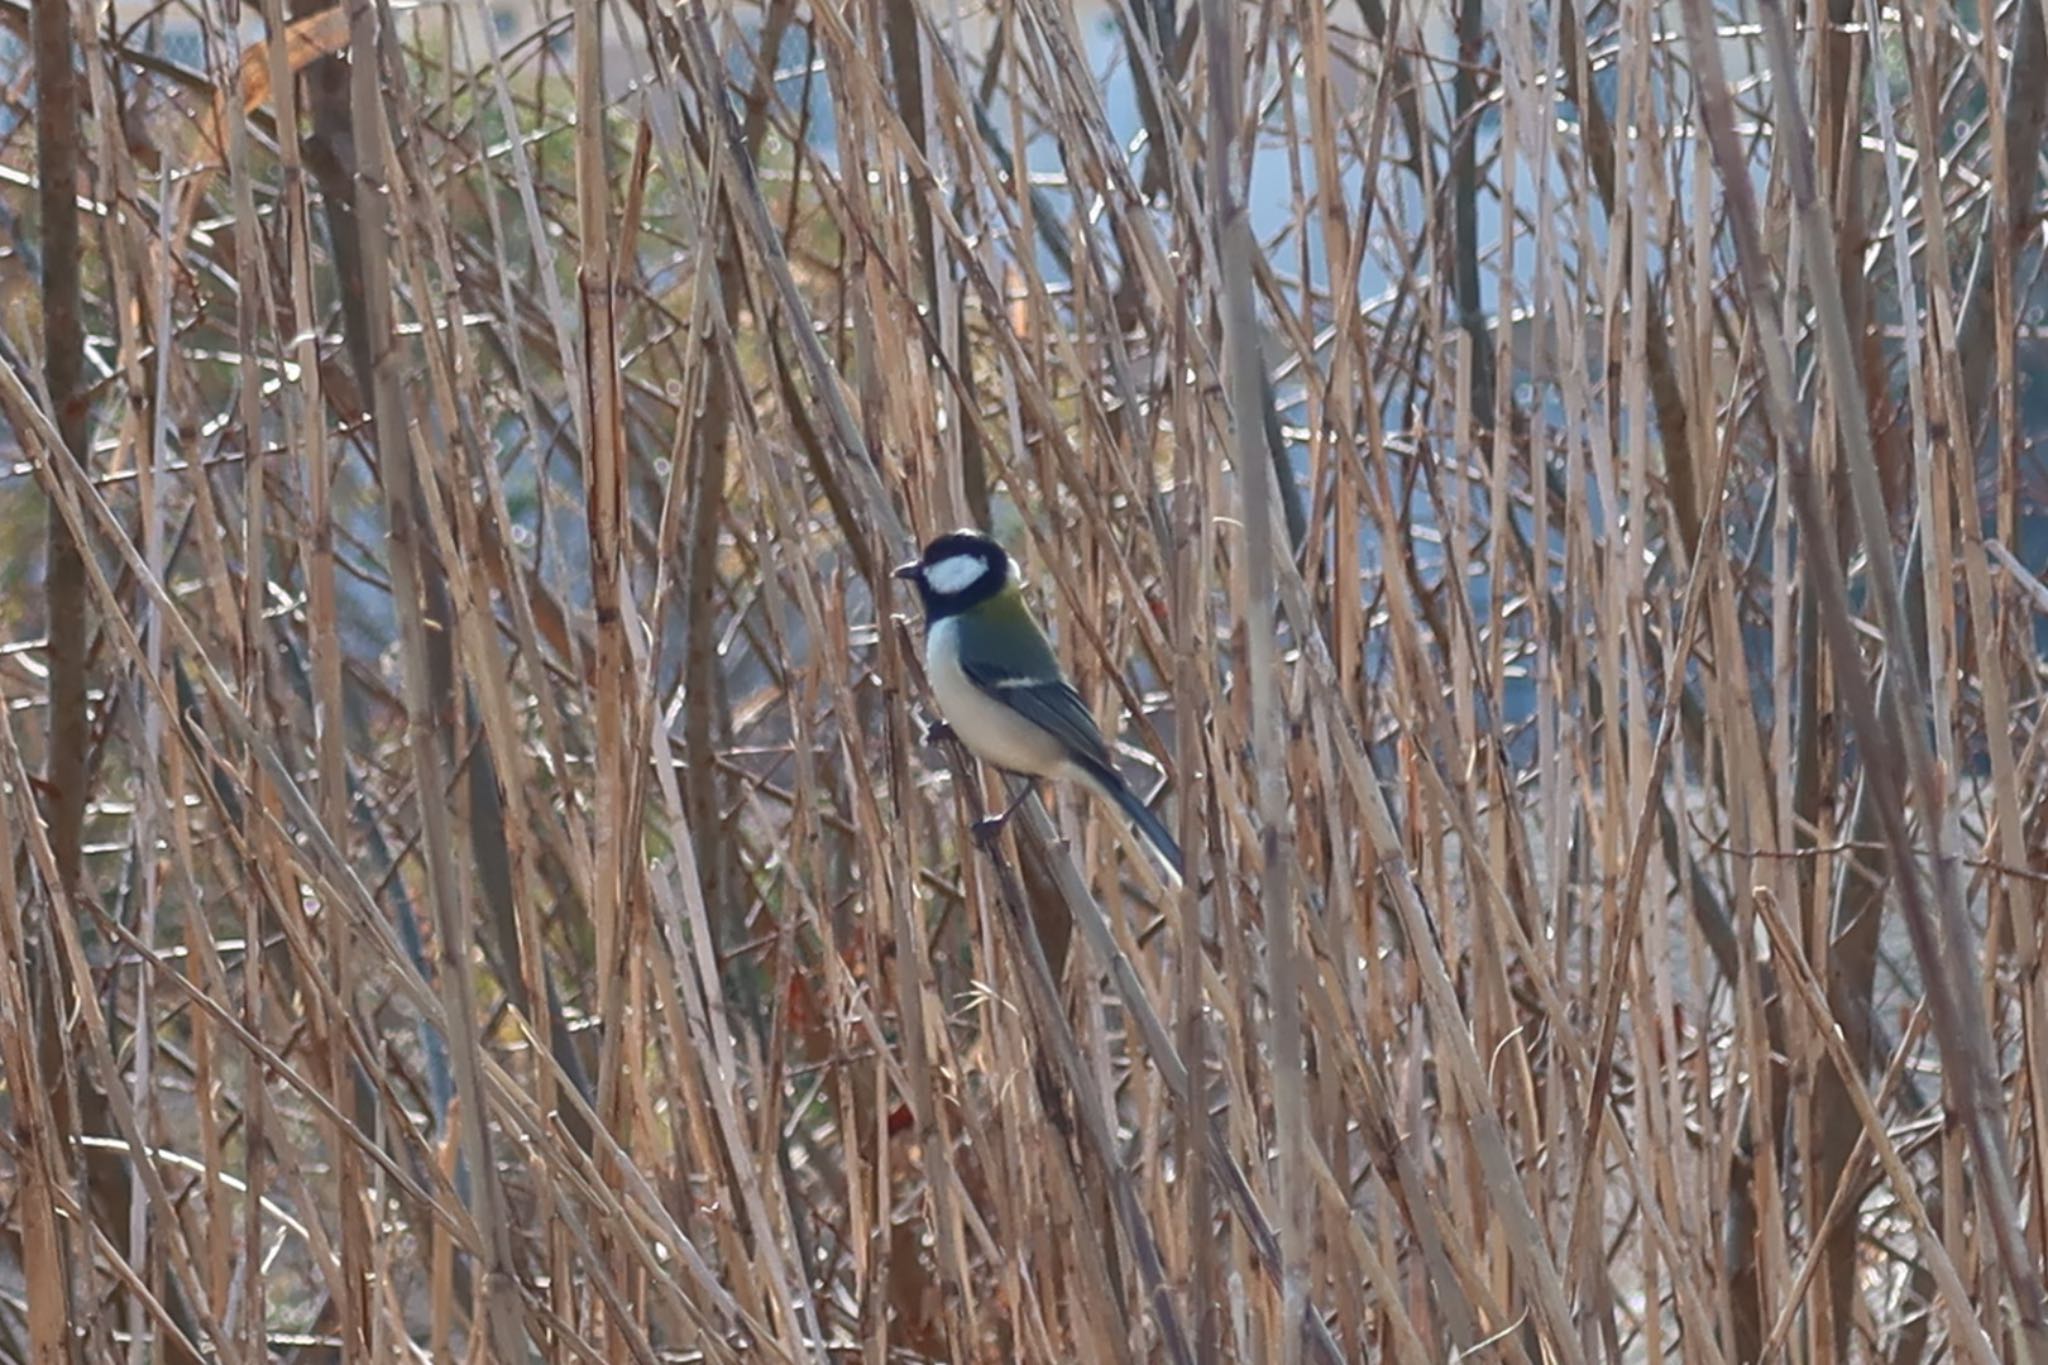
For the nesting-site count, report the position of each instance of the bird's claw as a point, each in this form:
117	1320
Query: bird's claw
987	828
938	732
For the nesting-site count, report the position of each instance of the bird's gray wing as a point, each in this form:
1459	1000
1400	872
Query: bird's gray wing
1018	670
1051	704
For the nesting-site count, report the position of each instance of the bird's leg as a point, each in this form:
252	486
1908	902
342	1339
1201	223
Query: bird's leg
986	828
938	732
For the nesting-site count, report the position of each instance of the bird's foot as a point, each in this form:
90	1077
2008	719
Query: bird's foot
988	827
938	732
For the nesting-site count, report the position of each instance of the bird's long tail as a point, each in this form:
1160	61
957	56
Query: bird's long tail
1111	785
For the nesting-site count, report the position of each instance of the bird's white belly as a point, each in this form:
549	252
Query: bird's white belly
993	731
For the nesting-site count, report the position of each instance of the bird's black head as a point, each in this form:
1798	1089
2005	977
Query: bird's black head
959	570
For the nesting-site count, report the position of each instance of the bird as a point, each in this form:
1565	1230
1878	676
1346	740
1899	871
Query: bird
998	684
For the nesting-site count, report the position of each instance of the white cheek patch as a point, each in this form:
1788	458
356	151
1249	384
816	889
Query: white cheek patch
955	573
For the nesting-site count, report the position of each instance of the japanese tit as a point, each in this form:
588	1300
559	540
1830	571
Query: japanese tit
998	684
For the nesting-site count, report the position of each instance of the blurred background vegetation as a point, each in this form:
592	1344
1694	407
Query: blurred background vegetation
1549	494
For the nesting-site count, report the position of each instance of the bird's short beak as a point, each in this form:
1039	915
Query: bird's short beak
913	569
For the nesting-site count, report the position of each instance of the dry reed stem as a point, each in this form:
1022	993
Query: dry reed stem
512	912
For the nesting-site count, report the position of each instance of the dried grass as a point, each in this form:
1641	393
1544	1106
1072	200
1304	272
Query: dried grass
1552	499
